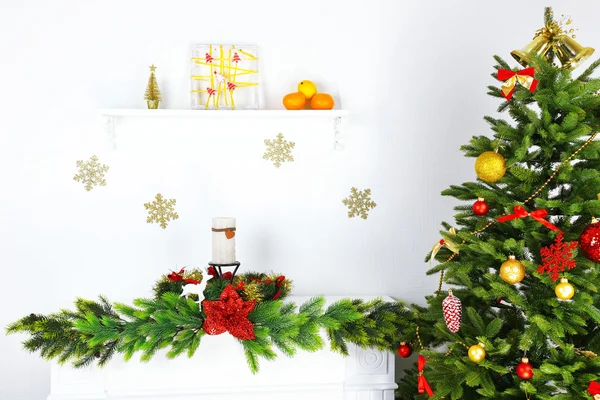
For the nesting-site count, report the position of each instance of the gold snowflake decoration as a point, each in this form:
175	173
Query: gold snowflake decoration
91	173
161	211
279	150
359	203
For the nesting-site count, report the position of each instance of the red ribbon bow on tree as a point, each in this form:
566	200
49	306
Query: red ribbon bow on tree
423	385
278	282
538	215
594	389
178	277
524	77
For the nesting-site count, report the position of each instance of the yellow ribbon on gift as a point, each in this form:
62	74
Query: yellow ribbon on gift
449	244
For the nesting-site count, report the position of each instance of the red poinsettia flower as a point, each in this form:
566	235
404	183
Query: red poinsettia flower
229	314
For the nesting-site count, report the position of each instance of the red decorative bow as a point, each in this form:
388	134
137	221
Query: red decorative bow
594	388
212	272
278	282
538	215
423	385
525	77
178	277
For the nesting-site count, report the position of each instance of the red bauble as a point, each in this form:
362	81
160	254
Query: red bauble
480	207
524	369
589	241
404	350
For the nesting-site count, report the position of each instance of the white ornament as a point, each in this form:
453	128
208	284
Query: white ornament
219	78
198	289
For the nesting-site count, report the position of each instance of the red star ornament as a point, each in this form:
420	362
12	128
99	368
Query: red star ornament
229	314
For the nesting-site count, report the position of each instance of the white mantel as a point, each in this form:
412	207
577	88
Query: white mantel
218	371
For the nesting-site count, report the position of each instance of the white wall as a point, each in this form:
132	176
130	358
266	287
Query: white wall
412	73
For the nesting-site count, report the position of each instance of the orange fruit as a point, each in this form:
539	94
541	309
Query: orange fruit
294	101
322	101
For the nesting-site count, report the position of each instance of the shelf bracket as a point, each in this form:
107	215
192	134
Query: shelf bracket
109	127
336	132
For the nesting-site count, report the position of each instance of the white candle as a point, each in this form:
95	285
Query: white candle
223	243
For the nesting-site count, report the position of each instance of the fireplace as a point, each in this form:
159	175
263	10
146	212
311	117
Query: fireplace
218	371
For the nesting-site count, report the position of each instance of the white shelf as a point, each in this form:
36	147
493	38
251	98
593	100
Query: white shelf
110	114
142	112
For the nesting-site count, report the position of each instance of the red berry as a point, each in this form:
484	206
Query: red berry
480	207
524	369
404	350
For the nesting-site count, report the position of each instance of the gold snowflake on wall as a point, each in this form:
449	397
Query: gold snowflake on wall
161	211
279	150
359	203
91	173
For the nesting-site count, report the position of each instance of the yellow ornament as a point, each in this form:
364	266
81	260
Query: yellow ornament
564	290
490	166
307	88
477	352
512	270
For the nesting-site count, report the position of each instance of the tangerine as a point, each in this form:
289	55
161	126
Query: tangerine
322	101
294	101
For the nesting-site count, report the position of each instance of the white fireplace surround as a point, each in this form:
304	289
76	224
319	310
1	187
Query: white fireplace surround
218	371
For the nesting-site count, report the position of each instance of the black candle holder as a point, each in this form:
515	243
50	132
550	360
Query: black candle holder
219	271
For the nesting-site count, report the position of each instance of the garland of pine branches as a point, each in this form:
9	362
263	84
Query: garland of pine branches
96	330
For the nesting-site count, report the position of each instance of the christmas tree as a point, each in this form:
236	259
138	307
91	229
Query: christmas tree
152	95
522	261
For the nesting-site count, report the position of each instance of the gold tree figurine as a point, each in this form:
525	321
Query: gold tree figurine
152	95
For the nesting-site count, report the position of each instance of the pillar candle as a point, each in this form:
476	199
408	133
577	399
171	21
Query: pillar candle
223	240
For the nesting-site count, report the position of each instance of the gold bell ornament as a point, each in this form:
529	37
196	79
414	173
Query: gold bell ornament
554	39
564	290
477	353
512	270
570	53
540	46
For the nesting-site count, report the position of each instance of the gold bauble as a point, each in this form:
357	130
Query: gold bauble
512	270
564	290
490	166
477	352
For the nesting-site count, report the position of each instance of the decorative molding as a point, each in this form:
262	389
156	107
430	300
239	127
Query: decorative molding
372	361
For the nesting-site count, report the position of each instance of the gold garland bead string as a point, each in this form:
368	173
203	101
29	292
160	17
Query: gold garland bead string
419	339
583	146
439	289
451	347
454	345
534	195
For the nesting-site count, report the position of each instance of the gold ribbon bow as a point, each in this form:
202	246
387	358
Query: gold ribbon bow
449	244
524	77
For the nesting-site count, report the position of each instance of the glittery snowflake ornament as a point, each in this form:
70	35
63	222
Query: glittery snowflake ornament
279	150
557	257
359	203
161	211
91	173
